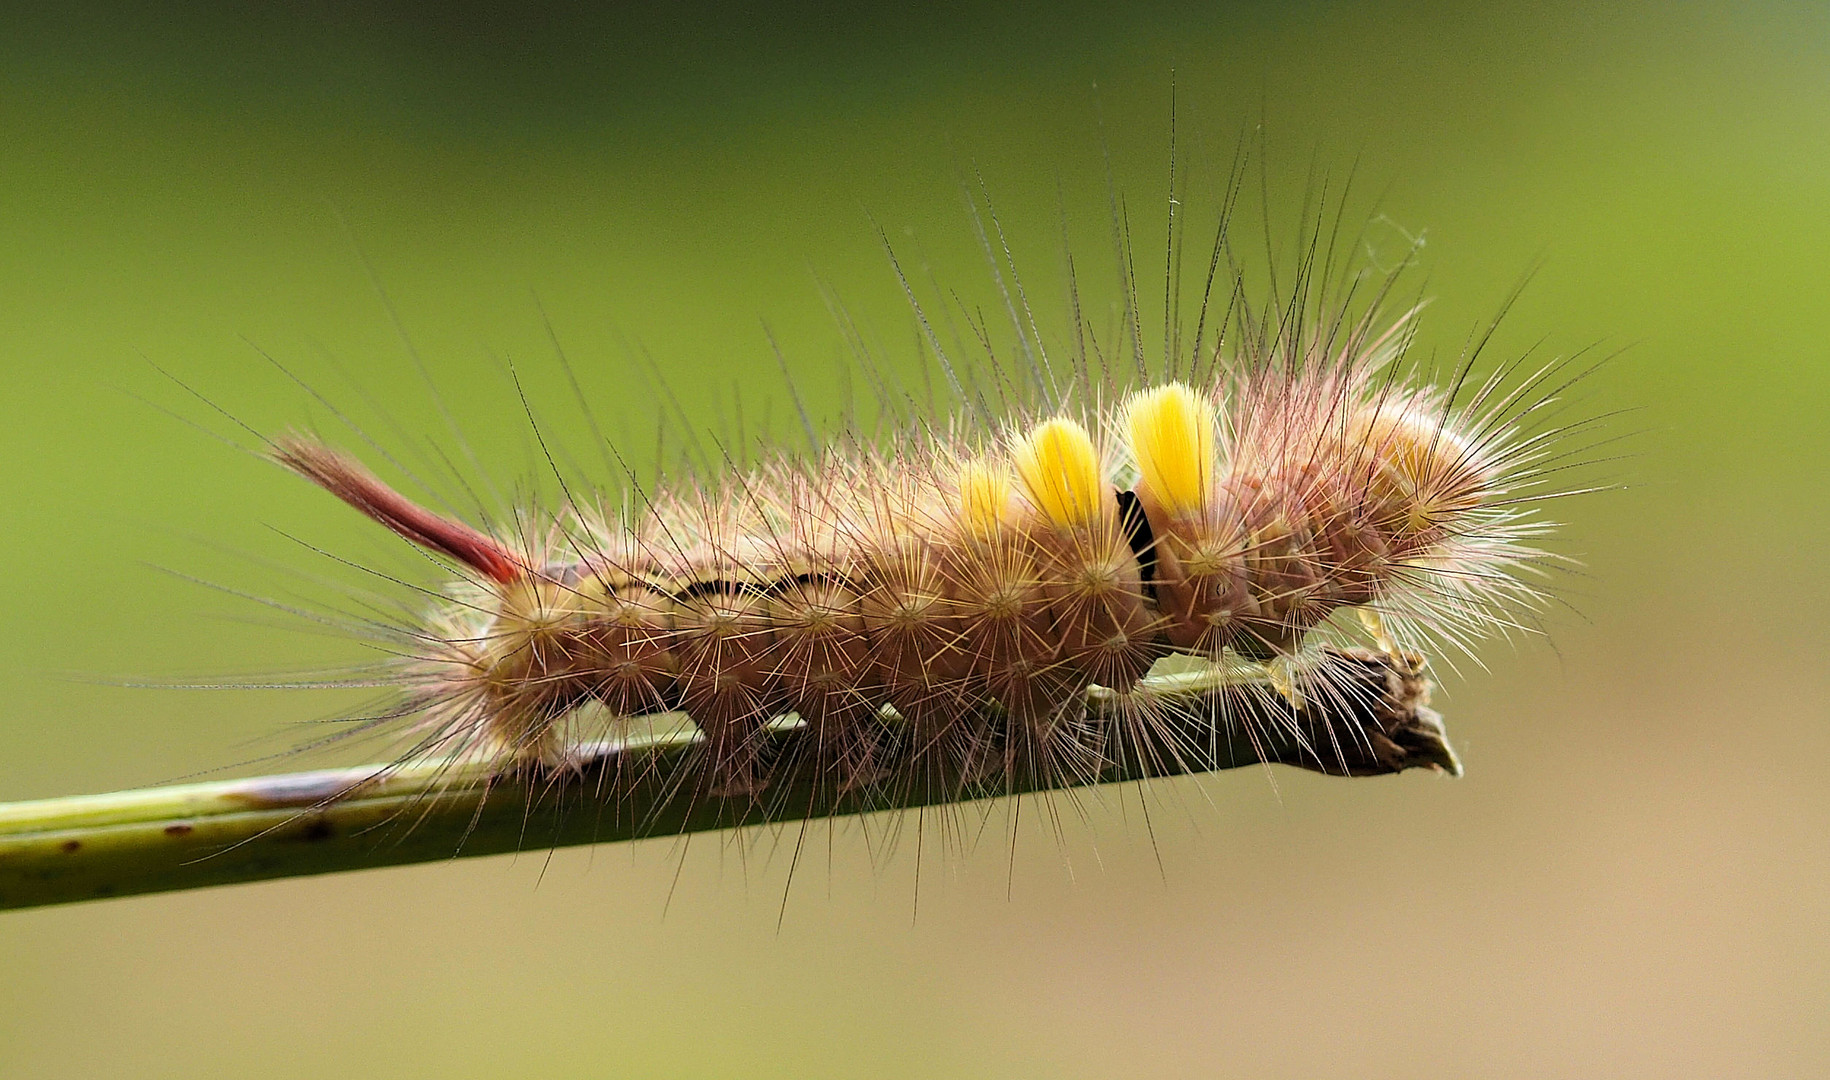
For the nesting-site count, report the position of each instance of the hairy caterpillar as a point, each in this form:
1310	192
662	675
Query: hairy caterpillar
967	580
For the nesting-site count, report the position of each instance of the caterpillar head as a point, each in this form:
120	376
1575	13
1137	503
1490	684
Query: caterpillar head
1424	470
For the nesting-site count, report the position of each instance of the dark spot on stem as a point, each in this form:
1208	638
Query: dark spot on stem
70	847
180	829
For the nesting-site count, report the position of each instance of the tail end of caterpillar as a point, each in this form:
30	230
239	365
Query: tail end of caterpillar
345	478
480	692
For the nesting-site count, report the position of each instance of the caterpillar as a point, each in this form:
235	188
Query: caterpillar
969	579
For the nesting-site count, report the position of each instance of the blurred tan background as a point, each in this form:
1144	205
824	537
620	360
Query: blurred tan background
1631	881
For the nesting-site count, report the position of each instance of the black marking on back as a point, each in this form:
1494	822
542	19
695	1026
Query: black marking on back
1141	538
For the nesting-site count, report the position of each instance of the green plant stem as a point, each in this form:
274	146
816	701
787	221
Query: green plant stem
189	836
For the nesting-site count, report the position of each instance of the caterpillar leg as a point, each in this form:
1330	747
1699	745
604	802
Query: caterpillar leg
1375	625
1280	670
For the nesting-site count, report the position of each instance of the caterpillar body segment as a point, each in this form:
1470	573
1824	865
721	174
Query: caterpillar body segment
973	587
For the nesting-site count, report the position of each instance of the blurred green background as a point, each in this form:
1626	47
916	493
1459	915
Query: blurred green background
1631	881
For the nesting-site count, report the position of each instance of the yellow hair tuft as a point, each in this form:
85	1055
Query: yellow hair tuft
984	492
1172	438
1060	472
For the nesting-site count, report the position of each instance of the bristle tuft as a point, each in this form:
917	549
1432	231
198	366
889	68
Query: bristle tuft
1060	472
1172	438
984	495
347	480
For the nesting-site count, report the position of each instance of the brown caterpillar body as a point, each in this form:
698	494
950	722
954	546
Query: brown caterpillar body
978	582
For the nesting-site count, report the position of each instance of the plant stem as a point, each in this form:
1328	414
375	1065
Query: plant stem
88	847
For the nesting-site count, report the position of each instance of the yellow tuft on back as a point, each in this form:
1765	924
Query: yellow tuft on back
1172	438
984	492
1060	472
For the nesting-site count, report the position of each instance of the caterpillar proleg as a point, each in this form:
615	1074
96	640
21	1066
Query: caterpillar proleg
1275	486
